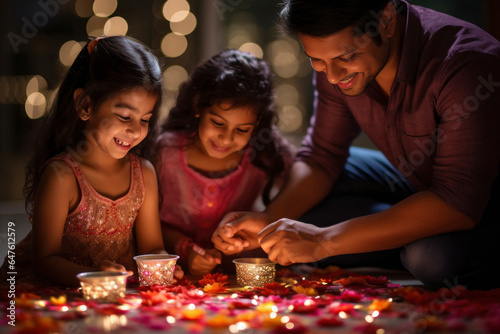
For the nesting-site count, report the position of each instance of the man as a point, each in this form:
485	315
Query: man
424	87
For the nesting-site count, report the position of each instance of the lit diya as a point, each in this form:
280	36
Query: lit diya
103	286
156	269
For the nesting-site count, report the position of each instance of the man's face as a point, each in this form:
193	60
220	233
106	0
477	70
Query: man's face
351	62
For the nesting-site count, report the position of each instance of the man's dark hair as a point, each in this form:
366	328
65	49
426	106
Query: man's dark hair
320	18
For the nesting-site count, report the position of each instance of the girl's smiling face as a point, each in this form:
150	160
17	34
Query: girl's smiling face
224	130
121	122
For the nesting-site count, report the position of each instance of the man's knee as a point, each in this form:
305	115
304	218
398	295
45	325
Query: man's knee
433	266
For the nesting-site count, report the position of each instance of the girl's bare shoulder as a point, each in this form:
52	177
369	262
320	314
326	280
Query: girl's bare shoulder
148	170
59	172
58	183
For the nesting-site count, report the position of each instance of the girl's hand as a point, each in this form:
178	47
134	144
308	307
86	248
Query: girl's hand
178	273
108	265
238	231
201	264
289	241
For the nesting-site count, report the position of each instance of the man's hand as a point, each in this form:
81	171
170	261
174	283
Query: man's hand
289	241
238	231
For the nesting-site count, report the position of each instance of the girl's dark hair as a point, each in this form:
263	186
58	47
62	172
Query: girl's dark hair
321	18
244	80
108	66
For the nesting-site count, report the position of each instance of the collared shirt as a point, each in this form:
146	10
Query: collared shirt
440	126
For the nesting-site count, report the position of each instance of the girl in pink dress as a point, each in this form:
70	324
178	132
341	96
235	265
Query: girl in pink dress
218	152
93	199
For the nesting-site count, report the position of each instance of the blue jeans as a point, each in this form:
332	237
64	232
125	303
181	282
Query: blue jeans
370	184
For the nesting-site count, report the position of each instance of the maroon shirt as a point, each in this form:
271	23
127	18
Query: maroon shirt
440	126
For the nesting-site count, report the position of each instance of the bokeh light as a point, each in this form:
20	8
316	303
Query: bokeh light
35	105
175	10
179	16
115	26
174	76
284	57
173	45
104	8
286	95
184	27
95	26
290	118
36	84
238	40
286	65
83	8
68	52
252	48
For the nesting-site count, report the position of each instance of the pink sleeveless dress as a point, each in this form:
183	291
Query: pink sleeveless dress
98	229
193	203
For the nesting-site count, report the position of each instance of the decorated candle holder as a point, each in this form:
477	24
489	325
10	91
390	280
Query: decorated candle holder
103	286
254	271
156	269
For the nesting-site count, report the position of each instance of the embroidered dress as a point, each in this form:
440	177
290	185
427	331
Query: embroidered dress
194	202
98	229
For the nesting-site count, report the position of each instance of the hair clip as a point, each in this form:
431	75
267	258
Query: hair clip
92	43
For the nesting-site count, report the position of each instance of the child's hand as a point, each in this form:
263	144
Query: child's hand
178	273
238	231
201	263
108	265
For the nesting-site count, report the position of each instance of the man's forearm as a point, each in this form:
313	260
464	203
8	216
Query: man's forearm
306	186
420	215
